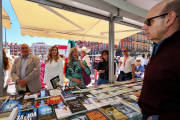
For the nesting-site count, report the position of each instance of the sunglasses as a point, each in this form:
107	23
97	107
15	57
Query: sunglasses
148	21
123	50
138	60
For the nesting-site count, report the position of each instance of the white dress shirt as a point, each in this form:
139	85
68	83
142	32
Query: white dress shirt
128	64
87	59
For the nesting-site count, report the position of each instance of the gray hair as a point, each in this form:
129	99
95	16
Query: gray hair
172	5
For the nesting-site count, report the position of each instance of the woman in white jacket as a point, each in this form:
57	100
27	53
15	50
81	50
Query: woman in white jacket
54	67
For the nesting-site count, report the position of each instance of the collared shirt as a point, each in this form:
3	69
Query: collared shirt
23	66
128	64
156	45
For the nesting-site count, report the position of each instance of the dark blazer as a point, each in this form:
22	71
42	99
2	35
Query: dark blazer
160	93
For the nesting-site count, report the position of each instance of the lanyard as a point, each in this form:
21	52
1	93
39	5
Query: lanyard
125	59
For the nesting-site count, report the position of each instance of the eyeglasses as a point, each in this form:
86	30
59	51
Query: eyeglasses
148	21
123	51
138	60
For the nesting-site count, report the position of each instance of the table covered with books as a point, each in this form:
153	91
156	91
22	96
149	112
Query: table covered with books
106	102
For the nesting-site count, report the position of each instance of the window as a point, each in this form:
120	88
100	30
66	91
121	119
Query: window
45	47
100	47
15	50
38	46
137	38
11	47
15	47
133	37
129	46
125	38
11	53
19	47
97	47
34	46
133	46
125	44
85	44
41	50
129	38
42	47
146	40
136	46
143	48
91	43
140	38
139	47
35	50
146	47
15	54
104	46
119	46
88	44
93	48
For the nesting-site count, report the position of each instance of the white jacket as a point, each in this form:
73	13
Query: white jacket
87	59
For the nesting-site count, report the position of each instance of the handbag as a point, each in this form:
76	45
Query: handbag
86	78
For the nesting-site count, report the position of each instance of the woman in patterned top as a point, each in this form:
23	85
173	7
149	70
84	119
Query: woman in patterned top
73	68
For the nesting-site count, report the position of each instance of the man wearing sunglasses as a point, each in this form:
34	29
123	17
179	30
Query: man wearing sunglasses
127	64
160	95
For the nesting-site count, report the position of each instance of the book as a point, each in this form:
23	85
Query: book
26	104
111	100
27	115
73	89
87	94
13	114
55	99
55	92
55	82
80	116
67	95
113	113
42	102
3	100
130	113
62	110
46	112
76	106
105	95
43	94
82	88
86	103
96	114
96	91
97	102
109	88
29	95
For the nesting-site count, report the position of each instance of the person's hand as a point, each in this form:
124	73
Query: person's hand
101	60
101	71
82	65
137	95
78	81
133	78
149	118
22	83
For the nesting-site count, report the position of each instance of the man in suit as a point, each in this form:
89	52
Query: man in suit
26	71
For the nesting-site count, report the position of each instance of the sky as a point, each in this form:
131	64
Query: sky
13	34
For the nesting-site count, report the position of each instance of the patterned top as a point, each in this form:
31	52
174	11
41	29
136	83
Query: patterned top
74	71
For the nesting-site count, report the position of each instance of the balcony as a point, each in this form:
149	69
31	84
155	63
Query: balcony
138	41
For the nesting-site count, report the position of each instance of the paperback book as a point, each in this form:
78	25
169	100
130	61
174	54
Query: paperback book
42	102
26	104
73	89
97	102
9	106
88	94
113	113
76	106
67	95
80	116
3	100
82	88
55	92
55	82
30	95
55	99
27	115
86	103
43	94
96	114
46	113
62	110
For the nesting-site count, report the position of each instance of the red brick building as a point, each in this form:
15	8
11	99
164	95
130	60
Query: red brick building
14	48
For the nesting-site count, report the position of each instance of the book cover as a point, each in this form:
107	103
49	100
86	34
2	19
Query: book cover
3	100
17	97
9	106
55	81
80	116
68	95
55	92
96	91
83	88
86	103
62	110
46	112
78	95
27	115
76	106
55	99
97	102
88	95
126	110
42	102
26	104
30	95
96	114
43	94
113	113
111	100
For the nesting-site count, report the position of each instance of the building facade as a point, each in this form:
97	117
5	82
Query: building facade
39	48
14	48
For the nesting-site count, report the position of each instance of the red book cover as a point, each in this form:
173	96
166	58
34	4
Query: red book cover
55	99
42	102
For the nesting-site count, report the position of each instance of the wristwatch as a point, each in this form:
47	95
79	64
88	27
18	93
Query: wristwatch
133	76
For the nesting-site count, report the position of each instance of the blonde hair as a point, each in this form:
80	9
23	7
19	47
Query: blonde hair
50	54
70	61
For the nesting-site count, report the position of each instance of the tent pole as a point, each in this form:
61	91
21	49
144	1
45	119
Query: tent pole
111	50
1	53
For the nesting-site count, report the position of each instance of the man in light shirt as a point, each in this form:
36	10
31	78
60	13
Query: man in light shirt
85	57
142	59
127	64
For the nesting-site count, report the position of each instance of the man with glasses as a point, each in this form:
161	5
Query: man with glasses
127	64
26	71
160	95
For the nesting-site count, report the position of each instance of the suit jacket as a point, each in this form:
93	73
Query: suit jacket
32	73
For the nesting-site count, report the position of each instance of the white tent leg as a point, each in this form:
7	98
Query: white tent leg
1	53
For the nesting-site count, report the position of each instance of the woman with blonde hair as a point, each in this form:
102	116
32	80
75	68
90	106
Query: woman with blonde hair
54	67
73	68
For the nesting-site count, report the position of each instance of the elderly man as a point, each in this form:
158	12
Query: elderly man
26	71
160	95
85	57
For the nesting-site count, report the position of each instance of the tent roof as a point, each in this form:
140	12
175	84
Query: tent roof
45	21
5	19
